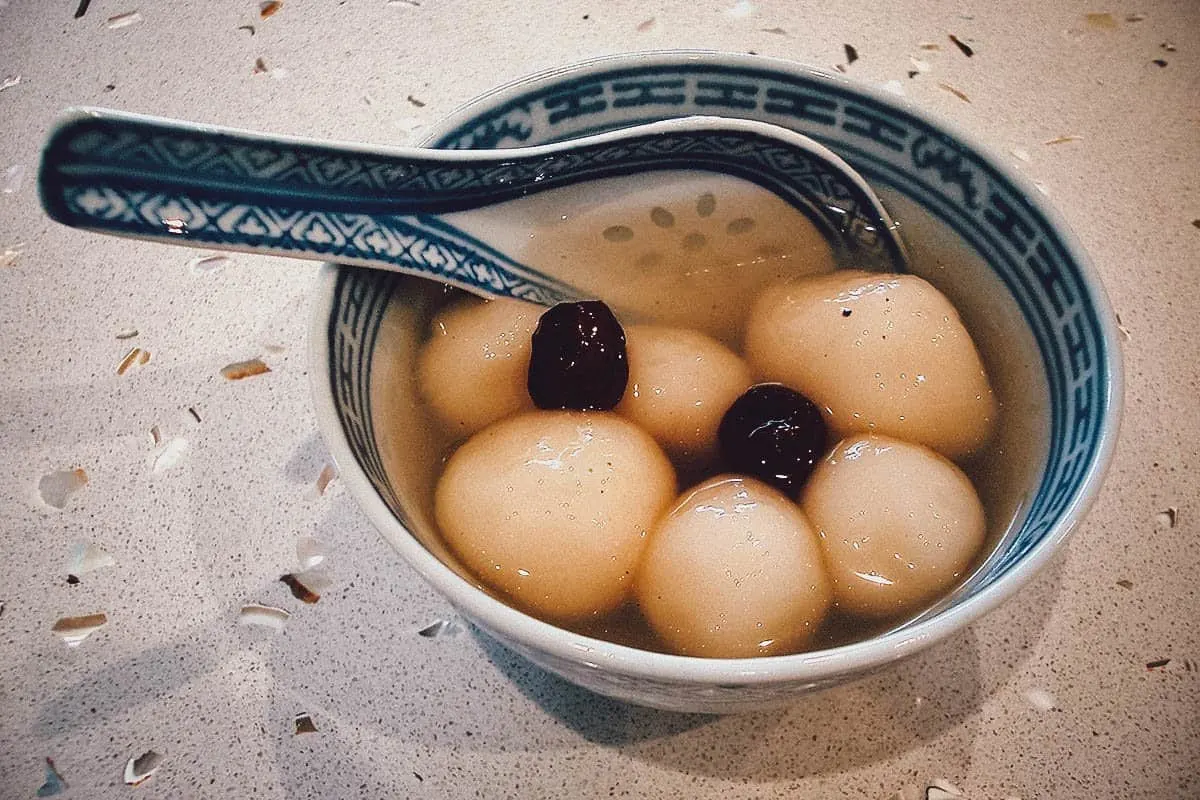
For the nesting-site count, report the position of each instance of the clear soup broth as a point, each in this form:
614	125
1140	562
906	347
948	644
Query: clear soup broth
693	251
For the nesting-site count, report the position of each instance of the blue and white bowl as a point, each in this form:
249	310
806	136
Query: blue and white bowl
367	325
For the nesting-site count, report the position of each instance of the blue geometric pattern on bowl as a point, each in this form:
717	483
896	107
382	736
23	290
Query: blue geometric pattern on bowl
178	183
882	142
360	299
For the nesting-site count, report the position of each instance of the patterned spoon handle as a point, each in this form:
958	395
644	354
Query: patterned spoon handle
220	188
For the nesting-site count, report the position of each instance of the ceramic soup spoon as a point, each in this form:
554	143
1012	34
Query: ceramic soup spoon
439	214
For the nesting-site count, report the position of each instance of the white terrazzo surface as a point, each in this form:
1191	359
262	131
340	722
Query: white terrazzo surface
1048	697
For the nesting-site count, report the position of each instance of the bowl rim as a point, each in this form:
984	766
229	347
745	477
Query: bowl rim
816	666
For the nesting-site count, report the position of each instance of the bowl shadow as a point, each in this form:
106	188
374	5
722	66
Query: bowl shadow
355	671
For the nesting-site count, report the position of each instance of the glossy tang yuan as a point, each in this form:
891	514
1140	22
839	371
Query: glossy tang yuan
778	488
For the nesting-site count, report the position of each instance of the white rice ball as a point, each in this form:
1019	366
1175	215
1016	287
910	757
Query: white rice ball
552	508
883	354
681	382
898	523
474	368
733	571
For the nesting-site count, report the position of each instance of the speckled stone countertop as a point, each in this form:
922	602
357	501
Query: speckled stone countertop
200	489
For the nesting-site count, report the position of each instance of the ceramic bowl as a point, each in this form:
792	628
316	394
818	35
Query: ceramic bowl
1020	267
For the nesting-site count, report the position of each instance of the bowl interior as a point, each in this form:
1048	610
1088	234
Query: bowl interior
1041	300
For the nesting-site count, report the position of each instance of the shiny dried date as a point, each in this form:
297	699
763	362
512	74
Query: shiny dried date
772	433
578	358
